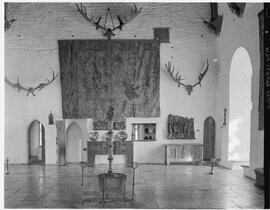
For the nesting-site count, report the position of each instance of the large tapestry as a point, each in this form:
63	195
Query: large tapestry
97	72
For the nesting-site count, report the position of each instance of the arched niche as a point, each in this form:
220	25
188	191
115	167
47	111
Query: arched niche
240	106
36	143
73	143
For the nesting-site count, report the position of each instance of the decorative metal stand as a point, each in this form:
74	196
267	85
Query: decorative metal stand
212	165
7	172
111	185
82	165
110	144
134	166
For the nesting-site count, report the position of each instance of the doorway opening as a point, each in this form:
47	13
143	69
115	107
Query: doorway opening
240	108
36	135
73	143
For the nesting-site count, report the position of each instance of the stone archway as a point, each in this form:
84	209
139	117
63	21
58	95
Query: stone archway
73	143
240	106
36	143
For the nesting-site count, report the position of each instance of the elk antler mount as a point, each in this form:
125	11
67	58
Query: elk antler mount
237	8
7	21
107	31
30	89
178	78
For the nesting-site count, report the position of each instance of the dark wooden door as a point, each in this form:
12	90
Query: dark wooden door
43	143
61	142
209	133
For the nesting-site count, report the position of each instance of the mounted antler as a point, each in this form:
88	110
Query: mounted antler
31	89
107	32
178	78
7	21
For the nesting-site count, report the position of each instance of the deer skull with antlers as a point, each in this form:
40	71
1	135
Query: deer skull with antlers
178	78
30	89
107	32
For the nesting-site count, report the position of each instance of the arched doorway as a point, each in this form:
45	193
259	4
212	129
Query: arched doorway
36	135
73	143
209	134
240	107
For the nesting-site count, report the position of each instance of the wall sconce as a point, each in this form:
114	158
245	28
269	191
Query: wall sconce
50	118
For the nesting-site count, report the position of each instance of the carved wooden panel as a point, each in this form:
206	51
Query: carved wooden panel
100	124
180	127
119	124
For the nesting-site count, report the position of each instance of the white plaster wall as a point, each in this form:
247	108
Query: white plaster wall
31	53
238	32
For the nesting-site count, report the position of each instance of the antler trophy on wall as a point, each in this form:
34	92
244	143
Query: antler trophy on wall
108	31
7	21
30	89
178	78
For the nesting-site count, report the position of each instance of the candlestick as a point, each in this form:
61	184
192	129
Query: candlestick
7	172
110	144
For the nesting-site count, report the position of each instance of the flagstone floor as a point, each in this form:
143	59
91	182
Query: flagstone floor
157	186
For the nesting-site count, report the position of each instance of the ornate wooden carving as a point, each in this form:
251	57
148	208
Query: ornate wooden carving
180	127
119	124
99	124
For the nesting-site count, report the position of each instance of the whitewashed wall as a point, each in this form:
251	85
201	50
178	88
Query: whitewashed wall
239	32
31	53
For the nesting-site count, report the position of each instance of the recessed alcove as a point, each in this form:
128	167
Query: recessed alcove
36	143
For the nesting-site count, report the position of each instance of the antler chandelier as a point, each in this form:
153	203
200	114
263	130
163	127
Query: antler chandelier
107	31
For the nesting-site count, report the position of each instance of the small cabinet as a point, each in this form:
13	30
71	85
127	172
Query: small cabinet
144	132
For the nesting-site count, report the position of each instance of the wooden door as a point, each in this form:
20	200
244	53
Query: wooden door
61	142
43	143
209	138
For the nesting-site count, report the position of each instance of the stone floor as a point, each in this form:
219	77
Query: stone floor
157	186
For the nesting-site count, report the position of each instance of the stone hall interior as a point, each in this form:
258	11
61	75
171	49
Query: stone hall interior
133	105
